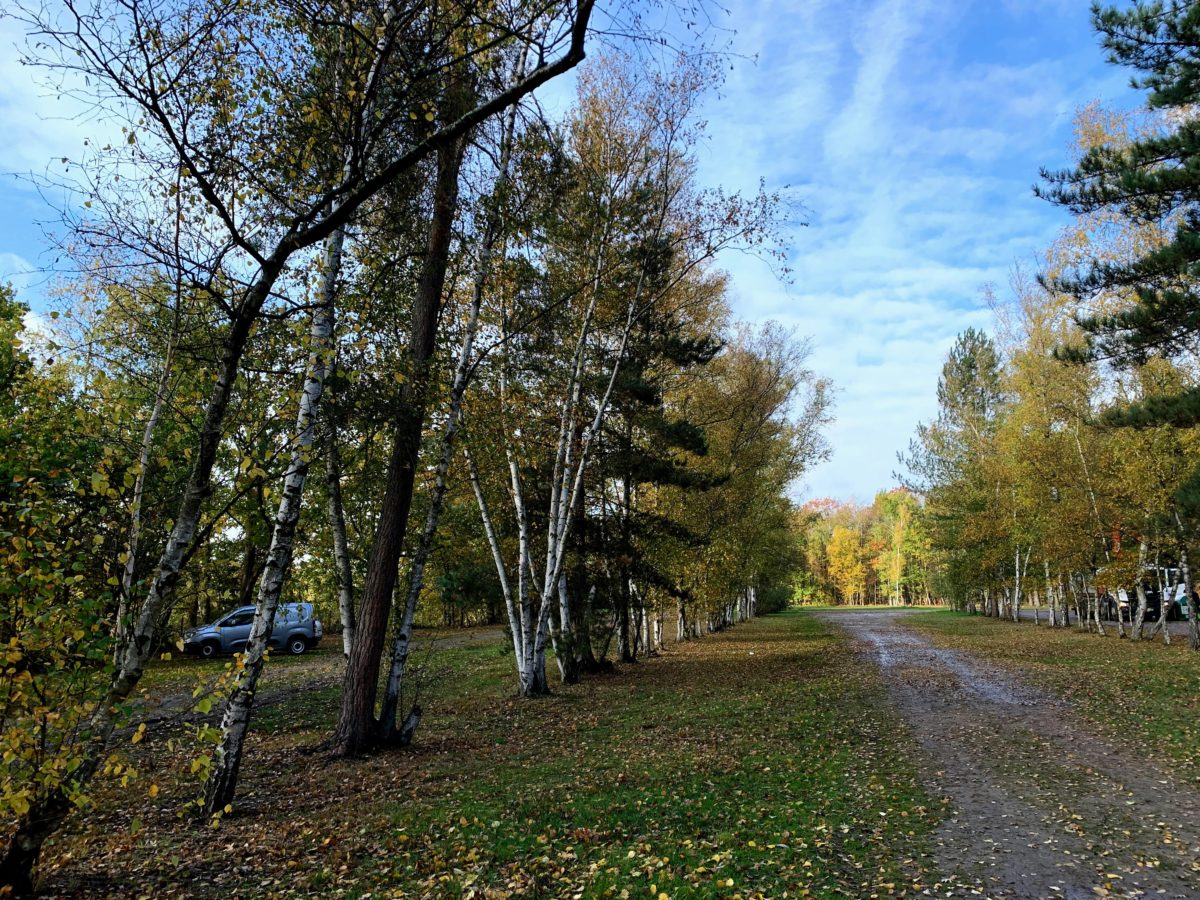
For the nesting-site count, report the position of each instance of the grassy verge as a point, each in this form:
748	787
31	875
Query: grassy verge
754	763
1143	692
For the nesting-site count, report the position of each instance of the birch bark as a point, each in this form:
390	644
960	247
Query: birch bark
222	780
337	527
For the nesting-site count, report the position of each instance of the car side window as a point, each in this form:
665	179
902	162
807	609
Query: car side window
240	619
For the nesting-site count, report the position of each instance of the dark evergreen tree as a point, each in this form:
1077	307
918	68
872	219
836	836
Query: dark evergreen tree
945	460
1153	181
643	445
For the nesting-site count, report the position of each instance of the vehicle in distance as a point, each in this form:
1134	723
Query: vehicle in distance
295	629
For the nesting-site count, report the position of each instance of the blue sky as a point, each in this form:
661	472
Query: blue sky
912	130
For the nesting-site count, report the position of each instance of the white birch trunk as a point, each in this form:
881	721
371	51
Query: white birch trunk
1185	572
1018	573
489	530
135	509
564	647
1139	614
222	780
1050	593
341	547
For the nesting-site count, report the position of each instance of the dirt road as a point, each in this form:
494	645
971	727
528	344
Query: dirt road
1040	806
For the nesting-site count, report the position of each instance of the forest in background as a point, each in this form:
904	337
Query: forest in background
861	555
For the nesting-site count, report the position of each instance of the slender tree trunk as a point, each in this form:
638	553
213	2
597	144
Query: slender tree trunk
586	655
624	642
489	530
222	780
1139	616
1018	574
343	570
1164	606
566	647
1050	594
250	569
1091	492
356	728
139	492
1185	572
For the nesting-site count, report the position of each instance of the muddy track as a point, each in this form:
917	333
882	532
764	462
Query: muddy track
1040	806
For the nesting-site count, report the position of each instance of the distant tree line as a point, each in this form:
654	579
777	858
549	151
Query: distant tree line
865	555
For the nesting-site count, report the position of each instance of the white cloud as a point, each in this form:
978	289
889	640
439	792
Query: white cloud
915	152
39	124
862	123
17	271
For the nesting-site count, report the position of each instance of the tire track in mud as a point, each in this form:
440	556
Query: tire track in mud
1041	807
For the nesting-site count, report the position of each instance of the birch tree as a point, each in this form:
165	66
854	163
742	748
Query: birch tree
234	100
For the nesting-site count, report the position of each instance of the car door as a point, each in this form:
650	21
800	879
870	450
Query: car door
285	620
235	631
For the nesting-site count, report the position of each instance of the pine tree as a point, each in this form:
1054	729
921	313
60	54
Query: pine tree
1151	181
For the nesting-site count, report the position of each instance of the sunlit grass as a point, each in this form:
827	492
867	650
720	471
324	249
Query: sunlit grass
755	762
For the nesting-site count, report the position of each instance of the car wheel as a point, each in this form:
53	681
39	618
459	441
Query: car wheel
208	650
297	645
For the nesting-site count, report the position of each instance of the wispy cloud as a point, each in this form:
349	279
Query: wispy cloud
913	132
15	270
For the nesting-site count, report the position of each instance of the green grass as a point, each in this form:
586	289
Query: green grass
727	773
754	763
1143	692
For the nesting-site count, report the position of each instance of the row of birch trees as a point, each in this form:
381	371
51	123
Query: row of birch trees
348	319
1062	466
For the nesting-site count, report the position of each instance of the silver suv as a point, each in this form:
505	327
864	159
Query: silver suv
295	629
